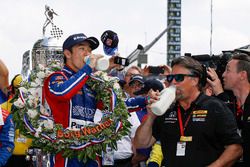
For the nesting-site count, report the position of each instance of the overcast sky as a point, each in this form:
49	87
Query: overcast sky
135	21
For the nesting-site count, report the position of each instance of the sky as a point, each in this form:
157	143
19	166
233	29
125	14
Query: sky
135	22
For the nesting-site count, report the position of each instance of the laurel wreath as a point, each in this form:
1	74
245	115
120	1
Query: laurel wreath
34	121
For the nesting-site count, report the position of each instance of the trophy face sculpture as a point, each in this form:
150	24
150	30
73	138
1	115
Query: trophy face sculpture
46	49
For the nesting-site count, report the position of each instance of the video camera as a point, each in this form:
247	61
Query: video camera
218	62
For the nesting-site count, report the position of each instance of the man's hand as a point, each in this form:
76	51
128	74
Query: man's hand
112	65
93	60
167	70
214	81
153	96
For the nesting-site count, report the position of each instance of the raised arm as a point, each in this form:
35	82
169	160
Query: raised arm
143	137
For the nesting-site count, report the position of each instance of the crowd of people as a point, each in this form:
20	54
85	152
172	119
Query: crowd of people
208	124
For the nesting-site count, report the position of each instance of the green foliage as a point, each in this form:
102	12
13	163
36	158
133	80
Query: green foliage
32	109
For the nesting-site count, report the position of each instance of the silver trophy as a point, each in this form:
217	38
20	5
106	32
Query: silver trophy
38	158
44	51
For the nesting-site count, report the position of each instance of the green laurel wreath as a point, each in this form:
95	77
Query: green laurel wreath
27	108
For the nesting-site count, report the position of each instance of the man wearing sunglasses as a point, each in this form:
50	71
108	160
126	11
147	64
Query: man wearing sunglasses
197	130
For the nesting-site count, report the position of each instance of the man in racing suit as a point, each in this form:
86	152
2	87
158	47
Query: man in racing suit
6	136
70	100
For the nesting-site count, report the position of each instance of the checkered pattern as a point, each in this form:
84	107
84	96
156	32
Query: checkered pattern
56	32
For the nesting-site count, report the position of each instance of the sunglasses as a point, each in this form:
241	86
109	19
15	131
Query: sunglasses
178	77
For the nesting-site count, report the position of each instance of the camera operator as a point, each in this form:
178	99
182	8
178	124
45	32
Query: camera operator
215	67
236	78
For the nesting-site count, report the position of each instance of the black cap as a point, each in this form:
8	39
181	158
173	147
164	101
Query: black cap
136	77
79	38
150	84
110	35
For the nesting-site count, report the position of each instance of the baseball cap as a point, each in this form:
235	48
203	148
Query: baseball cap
150	84
110	35
136	77
110	47
79	38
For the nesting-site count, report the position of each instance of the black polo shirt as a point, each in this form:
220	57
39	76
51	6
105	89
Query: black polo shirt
211	125
246	131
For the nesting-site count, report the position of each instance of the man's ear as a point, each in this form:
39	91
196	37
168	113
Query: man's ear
195	80
243	75
67	53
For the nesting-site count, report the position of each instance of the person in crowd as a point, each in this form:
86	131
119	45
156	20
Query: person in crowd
65	91
133	70
197	130
155	157
139	107
236	78
6	123
136	83
235	102
125	151
22	143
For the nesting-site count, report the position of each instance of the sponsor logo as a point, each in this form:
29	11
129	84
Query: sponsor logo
172	114
200	112
79	37
199	115
172	117
199	119
84	131
83	112
75	125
